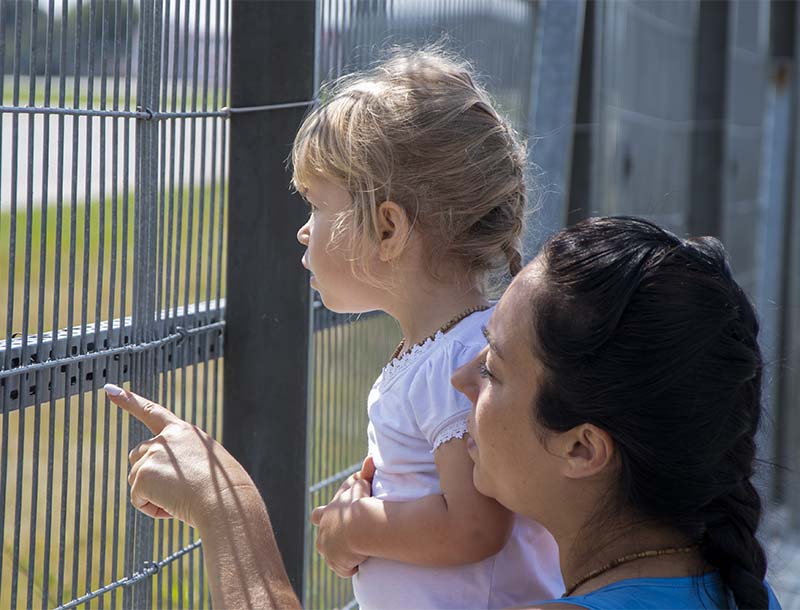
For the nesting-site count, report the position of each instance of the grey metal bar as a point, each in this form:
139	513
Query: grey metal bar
106	475
56	298
559	33
10	292
85	304
255	322
3	391
43	275
146	114
707	149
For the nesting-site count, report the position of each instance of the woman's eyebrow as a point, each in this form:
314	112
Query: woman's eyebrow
491	342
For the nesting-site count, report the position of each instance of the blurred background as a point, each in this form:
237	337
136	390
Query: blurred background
147	238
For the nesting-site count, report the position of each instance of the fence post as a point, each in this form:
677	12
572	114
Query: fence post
146	230
559	36
267	296
707	148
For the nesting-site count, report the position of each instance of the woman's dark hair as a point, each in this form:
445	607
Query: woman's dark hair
649	337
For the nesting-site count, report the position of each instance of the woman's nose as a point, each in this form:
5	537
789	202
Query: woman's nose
464	381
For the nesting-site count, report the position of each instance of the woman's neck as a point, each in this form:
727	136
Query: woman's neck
595	548
425	306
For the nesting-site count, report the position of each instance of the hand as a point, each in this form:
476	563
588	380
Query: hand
334	517
181	472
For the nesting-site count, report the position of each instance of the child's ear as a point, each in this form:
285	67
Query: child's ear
394	230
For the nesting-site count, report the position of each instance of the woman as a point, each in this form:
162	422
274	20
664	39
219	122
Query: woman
616	403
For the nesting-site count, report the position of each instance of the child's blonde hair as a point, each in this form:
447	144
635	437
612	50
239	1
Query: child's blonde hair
417	130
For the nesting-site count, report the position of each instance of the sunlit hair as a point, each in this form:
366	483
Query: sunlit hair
419	131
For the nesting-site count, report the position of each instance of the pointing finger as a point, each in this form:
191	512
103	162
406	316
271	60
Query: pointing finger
152	415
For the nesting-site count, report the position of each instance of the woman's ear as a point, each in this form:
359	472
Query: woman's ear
588	450
394	229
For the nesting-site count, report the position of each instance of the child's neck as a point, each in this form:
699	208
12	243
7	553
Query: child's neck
428	306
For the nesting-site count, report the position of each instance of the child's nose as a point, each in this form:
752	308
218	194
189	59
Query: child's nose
303	234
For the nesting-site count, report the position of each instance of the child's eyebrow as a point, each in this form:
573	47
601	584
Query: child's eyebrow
491	342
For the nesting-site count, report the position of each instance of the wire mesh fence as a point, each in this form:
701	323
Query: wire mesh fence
112	213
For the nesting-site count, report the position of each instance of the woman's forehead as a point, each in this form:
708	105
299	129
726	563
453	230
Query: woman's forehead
511	325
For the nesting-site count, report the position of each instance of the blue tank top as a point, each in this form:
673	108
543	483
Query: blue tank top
685	593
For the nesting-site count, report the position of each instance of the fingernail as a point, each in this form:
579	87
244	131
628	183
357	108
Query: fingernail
113	390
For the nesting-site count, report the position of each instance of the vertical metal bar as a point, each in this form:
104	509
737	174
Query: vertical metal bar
12	250
71	303
106	363
559	32
87	254
127	596
162	286
118	339
56	302
256	324
4	392
145	254
191	345
26	295
790	390
707	146
43	275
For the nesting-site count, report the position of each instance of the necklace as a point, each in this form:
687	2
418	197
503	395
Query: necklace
442	329
625	559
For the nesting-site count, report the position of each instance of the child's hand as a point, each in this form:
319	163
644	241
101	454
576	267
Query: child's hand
334	518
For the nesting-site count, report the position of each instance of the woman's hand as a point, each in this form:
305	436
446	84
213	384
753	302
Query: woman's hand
334	518
181	472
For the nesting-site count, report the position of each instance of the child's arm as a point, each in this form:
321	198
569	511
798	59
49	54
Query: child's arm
456	527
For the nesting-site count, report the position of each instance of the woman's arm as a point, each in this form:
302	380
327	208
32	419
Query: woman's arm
182	472
456	527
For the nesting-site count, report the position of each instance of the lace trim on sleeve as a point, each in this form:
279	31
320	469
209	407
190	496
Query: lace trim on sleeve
456	429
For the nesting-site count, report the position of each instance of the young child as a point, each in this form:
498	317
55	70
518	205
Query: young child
417	193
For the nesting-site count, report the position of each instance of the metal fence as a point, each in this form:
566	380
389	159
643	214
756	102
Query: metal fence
112	212
144	210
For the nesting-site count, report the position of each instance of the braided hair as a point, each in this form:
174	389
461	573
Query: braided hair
655	331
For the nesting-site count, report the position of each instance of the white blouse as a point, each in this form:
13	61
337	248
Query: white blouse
413	409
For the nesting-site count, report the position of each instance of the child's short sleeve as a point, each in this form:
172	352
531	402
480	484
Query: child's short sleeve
441	410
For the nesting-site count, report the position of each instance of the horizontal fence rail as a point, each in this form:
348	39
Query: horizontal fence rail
171	328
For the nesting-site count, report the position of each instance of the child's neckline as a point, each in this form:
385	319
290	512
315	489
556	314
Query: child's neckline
400	352
418	351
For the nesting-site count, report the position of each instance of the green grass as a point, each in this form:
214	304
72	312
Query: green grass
97	99
94	257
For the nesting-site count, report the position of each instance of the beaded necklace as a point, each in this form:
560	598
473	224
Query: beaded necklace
625	559
400	350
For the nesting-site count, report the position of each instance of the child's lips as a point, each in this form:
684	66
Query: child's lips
471	445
